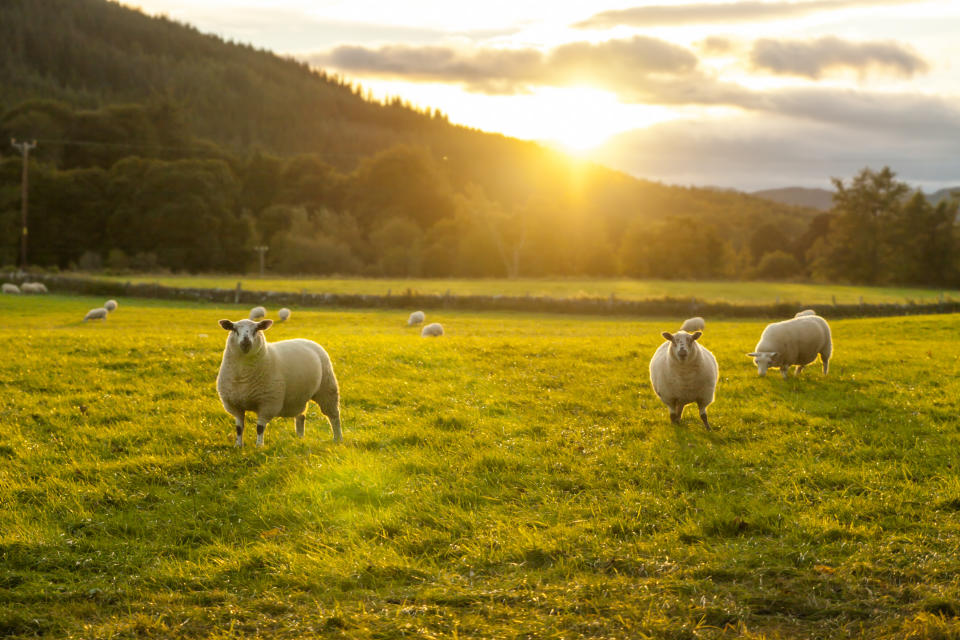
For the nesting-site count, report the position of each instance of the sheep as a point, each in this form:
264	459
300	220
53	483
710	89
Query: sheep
110	305
275	379
415	318
10	288
257	313
433	330
805	312
283	314
33	287
693	324
99	313
793	342
683	371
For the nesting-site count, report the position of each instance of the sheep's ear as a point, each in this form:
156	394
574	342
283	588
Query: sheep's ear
696	334
263	325
226	324
667	336
753	354
773	354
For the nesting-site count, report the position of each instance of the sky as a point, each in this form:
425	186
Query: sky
736	94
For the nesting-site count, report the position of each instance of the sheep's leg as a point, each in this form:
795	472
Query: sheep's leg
300	419
799	369
240	421
703	415
785	371
676	412
825	358
261	427
329	401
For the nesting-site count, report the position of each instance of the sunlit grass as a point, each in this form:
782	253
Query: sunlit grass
514	478
719	291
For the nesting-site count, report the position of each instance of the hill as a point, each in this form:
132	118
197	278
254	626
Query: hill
142	122
820	199
943	194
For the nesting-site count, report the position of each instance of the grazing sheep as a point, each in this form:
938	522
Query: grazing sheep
693	324
433	330
681	372
10	288
257	313
283	314
795	341
110	305
96	314
415	318
805	312
275	379
33	287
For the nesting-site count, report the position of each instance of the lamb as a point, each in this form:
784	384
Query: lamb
10	288
415	318
110	305
793	342
275	379
283	314
433	330
805	312
33	287
96	314
257	313
683	371
693	324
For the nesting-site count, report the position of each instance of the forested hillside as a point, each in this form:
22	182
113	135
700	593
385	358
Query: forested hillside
161	147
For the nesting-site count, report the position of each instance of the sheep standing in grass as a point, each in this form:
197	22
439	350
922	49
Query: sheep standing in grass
793	342
96	314
693	324
258	313
10	288
433	330
805	312
275	379
682	371
33	287
110	305
415	318
283	314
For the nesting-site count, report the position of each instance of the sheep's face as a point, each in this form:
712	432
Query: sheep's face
682	343
246	335
764	360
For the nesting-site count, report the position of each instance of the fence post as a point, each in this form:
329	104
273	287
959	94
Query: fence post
236	294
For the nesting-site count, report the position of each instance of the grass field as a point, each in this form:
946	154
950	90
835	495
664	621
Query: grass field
733	292
516	478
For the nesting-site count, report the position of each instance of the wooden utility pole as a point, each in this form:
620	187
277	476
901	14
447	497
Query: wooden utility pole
24	149
262	250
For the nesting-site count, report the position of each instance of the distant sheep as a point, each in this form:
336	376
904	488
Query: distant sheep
257	313
99	313
110	305
793	342
693	324
33	287
415	318
805	312
283	314
681	372
275	379
433	330
10	288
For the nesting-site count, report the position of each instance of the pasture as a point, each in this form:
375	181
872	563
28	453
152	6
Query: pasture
516	478
624	288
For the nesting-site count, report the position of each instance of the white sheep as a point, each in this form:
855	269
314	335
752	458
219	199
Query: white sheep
693	324
33	287
805	312
433	330
10	288
110	305
257	313
96	314
283	314
275	379
793	342
415	318
683	371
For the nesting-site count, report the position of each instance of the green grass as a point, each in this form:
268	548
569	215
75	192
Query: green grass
516	478
720	291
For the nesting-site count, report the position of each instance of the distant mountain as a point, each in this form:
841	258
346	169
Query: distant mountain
820	199
942	194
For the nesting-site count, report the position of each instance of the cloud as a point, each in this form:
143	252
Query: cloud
812	58
703	13
608	64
